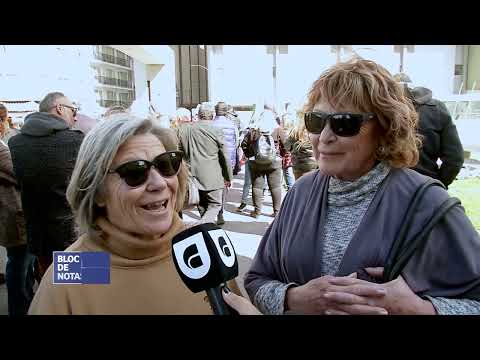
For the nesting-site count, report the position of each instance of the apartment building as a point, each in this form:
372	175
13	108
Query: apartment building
115	77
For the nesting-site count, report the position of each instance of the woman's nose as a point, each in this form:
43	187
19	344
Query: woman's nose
155	180
327	135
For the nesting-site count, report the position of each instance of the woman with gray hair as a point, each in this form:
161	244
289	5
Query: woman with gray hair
128	184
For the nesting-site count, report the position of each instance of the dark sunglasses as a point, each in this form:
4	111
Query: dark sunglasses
342	124
136	172
73	108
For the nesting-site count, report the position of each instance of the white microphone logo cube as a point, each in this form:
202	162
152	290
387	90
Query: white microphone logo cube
224	246
192	256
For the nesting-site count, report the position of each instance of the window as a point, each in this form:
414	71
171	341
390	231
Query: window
111	95
108	50
458	69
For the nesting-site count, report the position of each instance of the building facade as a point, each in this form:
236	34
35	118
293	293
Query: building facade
252	74
115	77
161	78
94	76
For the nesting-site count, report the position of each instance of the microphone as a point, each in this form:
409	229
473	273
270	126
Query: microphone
205	260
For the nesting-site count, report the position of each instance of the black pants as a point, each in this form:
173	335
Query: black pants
210	204
20	279
274	179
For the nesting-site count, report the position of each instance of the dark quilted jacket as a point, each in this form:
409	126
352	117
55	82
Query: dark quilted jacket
43	156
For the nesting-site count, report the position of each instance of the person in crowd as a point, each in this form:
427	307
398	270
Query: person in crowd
13	125
20	263
280	137
7	130
230	138
43	157
326	251
248	155
182	116
194	115
265	162
115	109
84	123
247	181
299	145
232	115
208	160
439	137
2	275
128	184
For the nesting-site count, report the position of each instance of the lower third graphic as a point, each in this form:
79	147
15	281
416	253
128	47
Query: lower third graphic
81	267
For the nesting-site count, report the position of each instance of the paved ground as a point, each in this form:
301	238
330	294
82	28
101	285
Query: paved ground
244	231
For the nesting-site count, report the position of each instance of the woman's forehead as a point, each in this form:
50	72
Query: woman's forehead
325	106
145	147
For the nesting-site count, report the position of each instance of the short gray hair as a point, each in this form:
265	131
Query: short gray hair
49	101
115	110
95	158
206	111
183	112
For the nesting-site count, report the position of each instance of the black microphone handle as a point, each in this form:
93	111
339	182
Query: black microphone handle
216	301
219	305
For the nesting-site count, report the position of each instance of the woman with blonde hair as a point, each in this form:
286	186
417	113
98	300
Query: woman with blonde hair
7	130
299	145
364	234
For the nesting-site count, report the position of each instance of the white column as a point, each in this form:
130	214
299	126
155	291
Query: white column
216	73
163	88
141	104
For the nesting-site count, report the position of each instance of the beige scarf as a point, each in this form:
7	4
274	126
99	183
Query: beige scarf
129	249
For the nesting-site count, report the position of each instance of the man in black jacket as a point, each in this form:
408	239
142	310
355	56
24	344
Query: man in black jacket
440	138
44	155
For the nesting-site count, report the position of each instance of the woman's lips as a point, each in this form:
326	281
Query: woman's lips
328	154
156	206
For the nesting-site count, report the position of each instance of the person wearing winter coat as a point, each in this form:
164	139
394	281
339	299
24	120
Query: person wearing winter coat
230	138
19	275
440	138
43	156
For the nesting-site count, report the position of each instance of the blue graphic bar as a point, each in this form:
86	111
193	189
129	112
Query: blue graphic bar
73	267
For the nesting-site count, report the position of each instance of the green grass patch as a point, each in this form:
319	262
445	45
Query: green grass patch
468	191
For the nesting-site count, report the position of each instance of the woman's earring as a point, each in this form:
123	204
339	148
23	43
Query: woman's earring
381	150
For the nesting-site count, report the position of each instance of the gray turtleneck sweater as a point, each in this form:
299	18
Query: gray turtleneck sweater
348	202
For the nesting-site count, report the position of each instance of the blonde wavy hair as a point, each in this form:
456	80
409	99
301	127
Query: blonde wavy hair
368	87
299	134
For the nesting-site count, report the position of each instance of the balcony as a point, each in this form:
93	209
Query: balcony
121	61
110	103
111	59
114	82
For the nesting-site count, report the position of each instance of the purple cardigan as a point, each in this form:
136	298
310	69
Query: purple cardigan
291	249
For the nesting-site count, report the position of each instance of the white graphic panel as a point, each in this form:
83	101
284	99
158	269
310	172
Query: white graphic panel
192	256
224	246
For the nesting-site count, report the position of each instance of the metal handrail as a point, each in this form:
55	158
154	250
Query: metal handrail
110	103
114	81
113	59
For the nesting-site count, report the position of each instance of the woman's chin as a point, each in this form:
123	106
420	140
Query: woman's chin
327	170
158	228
